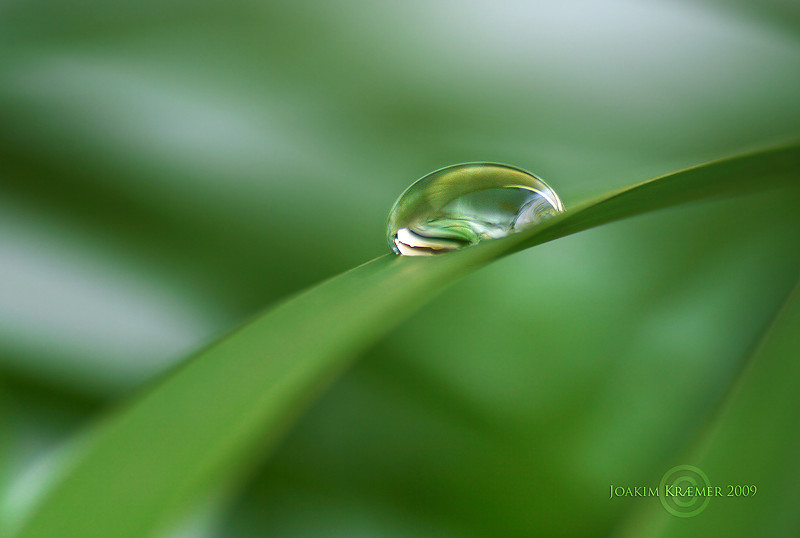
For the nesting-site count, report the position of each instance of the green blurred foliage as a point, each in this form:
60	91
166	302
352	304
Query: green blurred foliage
168	169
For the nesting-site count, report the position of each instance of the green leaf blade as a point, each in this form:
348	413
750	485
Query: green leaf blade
227	406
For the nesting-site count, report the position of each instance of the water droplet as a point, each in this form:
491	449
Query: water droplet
464	204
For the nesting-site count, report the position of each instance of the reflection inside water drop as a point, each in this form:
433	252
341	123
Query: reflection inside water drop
464	204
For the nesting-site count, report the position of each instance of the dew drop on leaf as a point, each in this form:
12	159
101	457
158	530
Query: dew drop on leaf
464	204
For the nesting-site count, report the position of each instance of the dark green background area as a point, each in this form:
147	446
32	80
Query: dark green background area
169	169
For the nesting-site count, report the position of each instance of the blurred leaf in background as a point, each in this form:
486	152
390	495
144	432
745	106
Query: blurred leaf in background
167	169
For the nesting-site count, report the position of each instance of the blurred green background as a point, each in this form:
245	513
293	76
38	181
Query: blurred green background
168	169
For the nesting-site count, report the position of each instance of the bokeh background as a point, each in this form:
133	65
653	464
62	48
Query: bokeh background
168	169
